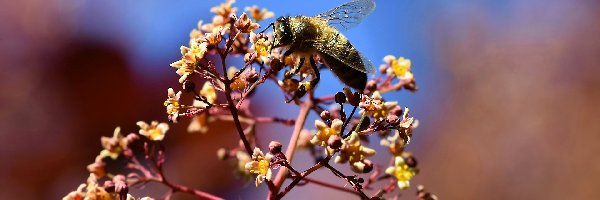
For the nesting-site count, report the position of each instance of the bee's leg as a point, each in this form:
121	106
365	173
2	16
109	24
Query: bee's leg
315	81
294	70
305	87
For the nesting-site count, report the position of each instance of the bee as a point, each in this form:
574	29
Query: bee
307	37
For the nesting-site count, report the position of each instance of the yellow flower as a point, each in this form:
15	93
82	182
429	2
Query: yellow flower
261	44
375	107
92	191
324	132
155	131
260	165
258	14
189	57
354	153
172	104
113	146
399	67
401	171
245	25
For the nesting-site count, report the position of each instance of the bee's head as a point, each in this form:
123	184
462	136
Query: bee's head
283	33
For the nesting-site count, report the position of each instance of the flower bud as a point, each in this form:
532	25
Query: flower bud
223	154
276	65
251	76
325	115
275	147
340	98
368	166
188	86
335	142
372	85
410	161
393	119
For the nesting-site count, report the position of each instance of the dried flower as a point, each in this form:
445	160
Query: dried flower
375	107
245	25
399	67
155	131
324	132
260	165
401	171
172	104
354	153
113	146
259	14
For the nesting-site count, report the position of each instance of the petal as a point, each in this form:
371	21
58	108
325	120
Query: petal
337	125
320	125
389	58
368	151
390	170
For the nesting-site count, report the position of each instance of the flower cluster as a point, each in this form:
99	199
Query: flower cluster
341	134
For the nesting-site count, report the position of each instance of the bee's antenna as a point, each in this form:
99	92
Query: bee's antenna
271	24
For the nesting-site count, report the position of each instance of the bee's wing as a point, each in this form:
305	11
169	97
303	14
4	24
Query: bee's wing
348	15
349	56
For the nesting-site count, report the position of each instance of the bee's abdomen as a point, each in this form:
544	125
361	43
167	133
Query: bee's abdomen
348	75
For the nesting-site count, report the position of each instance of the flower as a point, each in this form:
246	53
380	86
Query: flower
237	83
113	146
92	191
261	44
242	158
401	171
394	143
354	153
245	25
196	34
304	139
399	67
200	123
375	107
172	104
209	92
189	57
225	9
258	14
260	165
155	131
215	36
98	168
324	132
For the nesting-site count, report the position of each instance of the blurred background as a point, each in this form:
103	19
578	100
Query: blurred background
508	99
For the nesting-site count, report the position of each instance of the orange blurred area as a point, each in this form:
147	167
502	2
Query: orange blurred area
508	109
